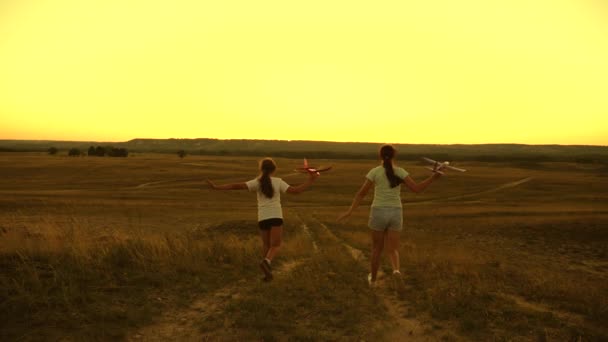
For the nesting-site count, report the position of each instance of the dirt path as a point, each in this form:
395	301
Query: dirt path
566	317
405	327
474	194
309	234
180	324
164	182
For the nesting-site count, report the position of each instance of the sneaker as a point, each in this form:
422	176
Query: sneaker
370	282
397	273
265	266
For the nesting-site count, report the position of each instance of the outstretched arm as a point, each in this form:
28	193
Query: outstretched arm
234	186
419	187
358	198
312	176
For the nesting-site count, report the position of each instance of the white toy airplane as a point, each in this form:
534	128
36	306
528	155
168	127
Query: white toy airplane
438	167
310	169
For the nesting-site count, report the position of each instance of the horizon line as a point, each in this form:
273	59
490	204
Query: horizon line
300	140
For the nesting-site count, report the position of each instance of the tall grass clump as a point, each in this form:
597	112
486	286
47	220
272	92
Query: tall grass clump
58	282
483	295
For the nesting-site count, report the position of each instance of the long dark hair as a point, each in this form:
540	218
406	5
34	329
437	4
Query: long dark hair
387	153
267	166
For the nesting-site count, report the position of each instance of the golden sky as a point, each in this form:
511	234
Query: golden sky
427	71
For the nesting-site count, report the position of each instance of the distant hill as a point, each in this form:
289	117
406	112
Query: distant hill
330	150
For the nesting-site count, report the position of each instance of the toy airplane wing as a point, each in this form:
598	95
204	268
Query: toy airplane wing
436	170
428	160
323	169
304	167
312	169
436	165
454	168
301	170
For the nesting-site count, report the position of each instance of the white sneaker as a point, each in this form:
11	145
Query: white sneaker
396	273
370	282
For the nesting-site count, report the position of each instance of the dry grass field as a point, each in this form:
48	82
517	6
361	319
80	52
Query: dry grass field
139	249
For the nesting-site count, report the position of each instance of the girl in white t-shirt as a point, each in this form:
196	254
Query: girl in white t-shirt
270	213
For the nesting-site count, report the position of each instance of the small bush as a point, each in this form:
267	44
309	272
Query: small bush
117	152
110	151
74	152
100	151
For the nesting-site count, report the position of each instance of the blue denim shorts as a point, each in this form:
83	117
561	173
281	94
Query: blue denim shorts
383	218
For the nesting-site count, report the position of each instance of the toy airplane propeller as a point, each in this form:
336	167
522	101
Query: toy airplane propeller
310	169
438	167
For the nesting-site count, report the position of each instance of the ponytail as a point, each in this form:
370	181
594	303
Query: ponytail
266	185
267	166
387	153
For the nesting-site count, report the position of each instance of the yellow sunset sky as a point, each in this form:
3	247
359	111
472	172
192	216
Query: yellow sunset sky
428	71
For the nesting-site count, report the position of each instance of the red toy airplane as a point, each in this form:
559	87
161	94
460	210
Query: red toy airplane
310	169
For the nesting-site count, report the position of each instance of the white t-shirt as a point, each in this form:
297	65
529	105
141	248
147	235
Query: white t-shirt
269	207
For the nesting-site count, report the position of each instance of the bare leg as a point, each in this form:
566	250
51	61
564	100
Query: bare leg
275	242
377	246
265	235
392	248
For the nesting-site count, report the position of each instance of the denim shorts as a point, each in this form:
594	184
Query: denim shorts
383	218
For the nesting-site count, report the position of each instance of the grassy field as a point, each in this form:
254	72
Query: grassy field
140	249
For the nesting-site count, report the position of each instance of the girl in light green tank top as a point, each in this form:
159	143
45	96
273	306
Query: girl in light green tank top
386	217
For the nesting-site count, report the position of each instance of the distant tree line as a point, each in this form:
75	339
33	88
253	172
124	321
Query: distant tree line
95	151
497	158
101	151
526	155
